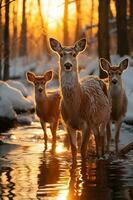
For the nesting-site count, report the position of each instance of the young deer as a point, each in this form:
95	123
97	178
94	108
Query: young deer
47	104
117	94
84	105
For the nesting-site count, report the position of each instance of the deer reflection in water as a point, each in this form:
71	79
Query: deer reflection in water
97	181
48	174
7	186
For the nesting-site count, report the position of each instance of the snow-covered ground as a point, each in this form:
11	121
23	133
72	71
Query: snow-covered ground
13	102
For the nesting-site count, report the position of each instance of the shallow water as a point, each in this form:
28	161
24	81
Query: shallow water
26	172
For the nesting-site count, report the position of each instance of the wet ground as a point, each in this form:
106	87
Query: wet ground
26	172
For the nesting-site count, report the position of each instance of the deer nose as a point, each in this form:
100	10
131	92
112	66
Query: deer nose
114	81
68	66
40	90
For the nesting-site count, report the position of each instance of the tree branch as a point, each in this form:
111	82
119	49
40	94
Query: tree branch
126	149
2	6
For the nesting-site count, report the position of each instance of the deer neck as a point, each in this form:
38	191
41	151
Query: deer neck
70	88
41	101
116	90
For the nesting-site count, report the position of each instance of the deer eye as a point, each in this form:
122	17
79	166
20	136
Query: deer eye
119	73
61	54
74	54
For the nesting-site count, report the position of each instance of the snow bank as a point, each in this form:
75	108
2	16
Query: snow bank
18	85
6	109
12	102
18	101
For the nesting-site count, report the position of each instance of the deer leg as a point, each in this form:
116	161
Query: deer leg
97	141
85	139
43	124
108	132
73	142
53	127
117	134
102	138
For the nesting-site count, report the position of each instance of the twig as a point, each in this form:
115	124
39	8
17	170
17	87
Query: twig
126	149
6	4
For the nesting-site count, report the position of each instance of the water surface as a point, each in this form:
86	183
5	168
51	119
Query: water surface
26	172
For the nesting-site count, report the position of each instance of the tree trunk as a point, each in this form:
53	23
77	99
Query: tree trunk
23	36
78	23
131	27
0	42
91	19
103	32
6	42
15	31
65	22
45	45
121	21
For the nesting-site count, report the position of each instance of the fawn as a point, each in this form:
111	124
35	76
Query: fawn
47	104
117	93
84	104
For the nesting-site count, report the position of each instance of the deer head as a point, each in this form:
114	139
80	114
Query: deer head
39	81
68	55
114	72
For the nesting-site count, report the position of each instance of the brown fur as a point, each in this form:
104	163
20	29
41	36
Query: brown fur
85	105
47	104
117	94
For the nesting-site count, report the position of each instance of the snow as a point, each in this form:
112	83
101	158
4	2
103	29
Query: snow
18	85
18	101
6	109
12	101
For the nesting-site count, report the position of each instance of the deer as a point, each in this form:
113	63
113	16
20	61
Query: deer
84	104
118	96
47	104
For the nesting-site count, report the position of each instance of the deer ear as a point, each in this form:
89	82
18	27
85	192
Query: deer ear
123	64
104	64
55	45
48	75
80	45
30	76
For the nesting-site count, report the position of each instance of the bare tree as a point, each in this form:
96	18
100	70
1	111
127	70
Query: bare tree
44	33
0	41
6	42
131	27
103	32
65	22
91	18
23	36
122	38
78	22
15	31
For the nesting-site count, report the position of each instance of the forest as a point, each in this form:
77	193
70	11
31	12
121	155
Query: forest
25	27
66	99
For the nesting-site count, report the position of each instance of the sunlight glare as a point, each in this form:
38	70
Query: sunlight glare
63	195
60	148
53	12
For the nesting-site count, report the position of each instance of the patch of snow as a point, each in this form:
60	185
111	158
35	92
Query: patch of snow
18	85
12	99
6	109
24	119
18	101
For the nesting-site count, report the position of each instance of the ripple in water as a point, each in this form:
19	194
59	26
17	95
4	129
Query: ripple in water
26	172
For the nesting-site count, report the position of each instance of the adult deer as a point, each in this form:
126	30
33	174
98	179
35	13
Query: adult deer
84	104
